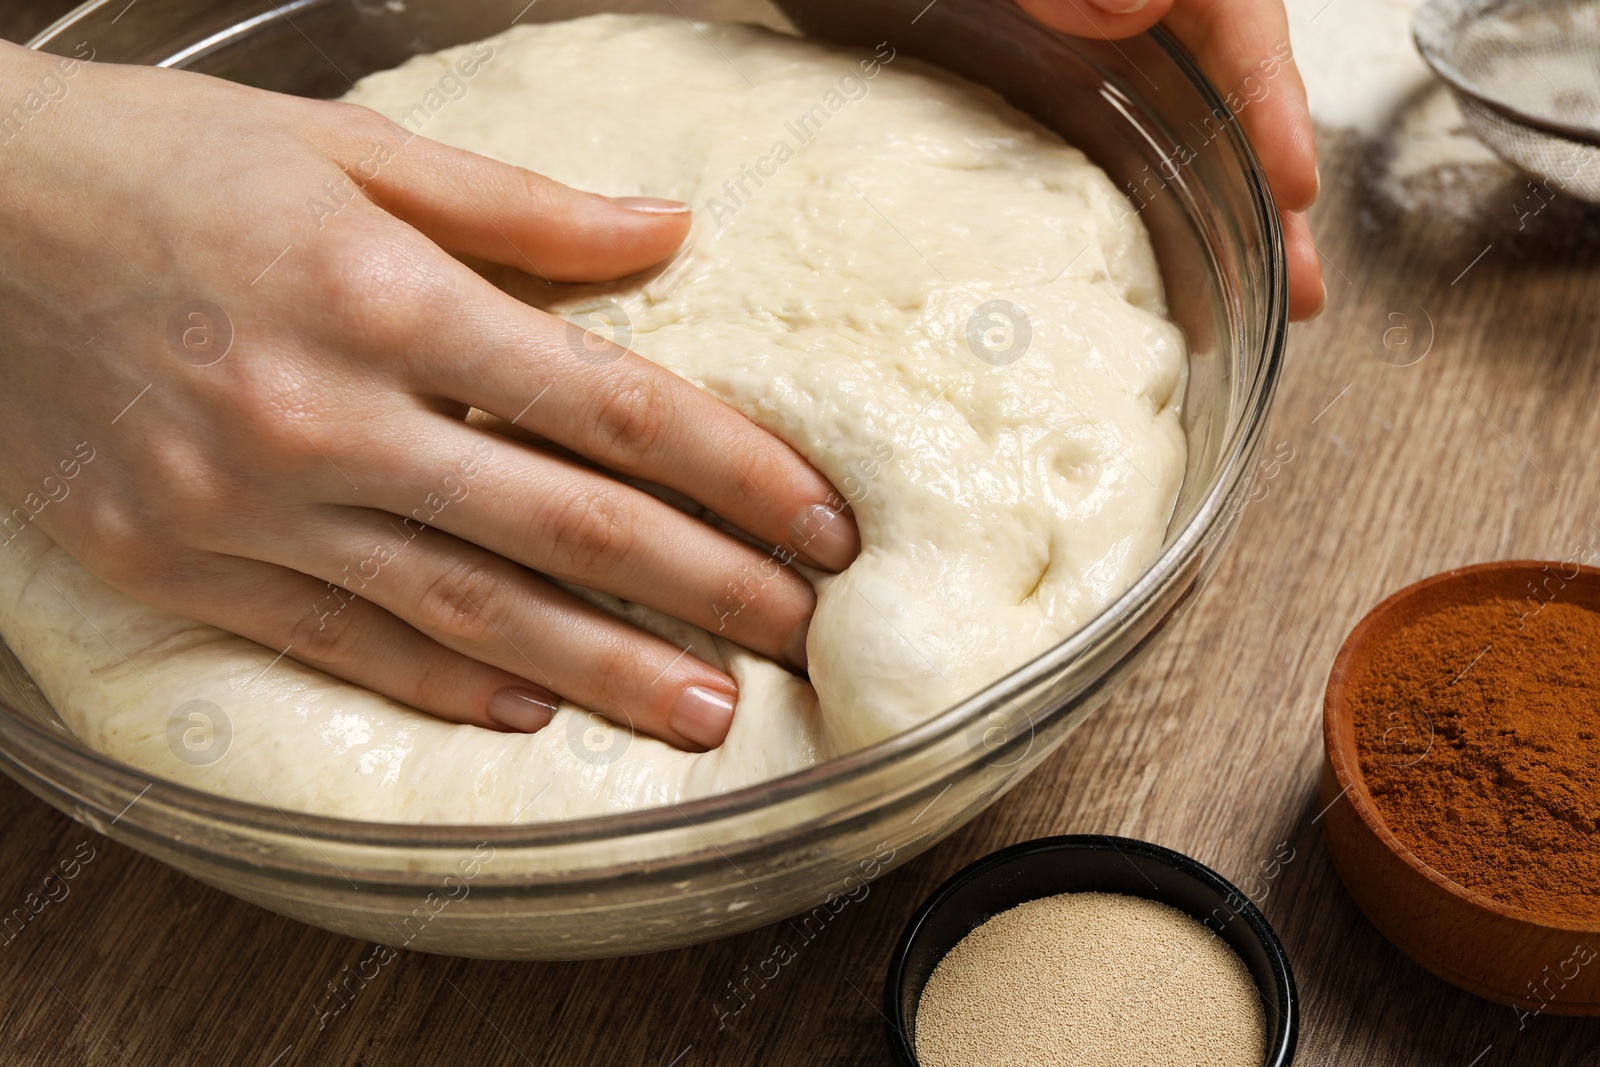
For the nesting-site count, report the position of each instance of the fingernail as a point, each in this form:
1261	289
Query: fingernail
1119	7
1322	305
826	537
795	650
702	715
1316	173
524	711
650	205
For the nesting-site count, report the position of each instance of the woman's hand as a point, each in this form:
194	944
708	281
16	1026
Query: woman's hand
242	305
1237	43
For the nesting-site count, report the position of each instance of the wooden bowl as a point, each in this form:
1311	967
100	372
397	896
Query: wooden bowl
1503	953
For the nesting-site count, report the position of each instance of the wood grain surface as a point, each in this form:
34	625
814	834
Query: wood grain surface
1483	449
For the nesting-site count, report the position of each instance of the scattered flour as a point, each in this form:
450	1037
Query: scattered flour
1357	60
1363	73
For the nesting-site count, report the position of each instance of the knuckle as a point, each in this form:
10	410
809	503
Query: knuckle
109	526
115	543
469	601
192	488
358	118
380	289
614	682
344	269
632	422
327	638
281	420
769	465
438	686
270	402
589	534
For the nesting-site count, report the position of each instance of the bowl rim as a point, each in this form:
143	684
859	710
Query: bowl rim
1248	424
1345	764
1280	1052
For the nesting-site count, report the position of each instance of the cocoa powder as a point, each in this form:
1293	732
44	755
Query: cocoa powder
1478	733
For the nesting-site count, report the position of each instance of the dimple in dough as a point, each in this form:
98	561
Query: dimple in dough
948	311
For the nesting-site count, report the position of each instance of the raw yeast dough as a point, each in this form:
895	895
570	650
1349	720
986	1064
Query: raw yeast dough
951	313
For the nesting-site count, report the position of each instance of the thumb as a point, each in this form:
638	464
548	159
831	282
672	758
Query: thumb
478	206
1104	19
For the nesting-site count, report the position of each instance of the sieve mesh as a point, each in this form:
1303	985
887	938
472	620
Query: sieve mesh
1527	76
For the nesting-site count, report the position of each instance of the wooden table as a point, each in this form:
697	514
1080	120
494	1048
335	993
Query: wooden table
1484	449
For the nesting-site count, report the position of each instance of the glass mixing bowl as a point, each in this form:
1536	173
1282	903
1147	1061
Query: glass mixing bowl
663	878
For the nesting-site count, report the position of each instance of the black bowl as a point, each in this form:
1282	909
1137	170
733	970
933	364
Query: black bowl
1086	863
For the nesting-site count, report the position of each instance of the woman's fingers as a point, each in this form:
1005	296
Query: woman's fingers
331	629
1104	19
478	206
581	526
1308	294
628	415
483	606
1243	46
582	392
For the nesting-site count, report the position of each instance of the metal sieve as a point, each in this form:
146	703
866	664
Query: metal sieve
1526	74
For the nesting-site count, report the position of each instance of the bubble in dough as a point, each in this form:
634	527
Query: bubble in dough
951	313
